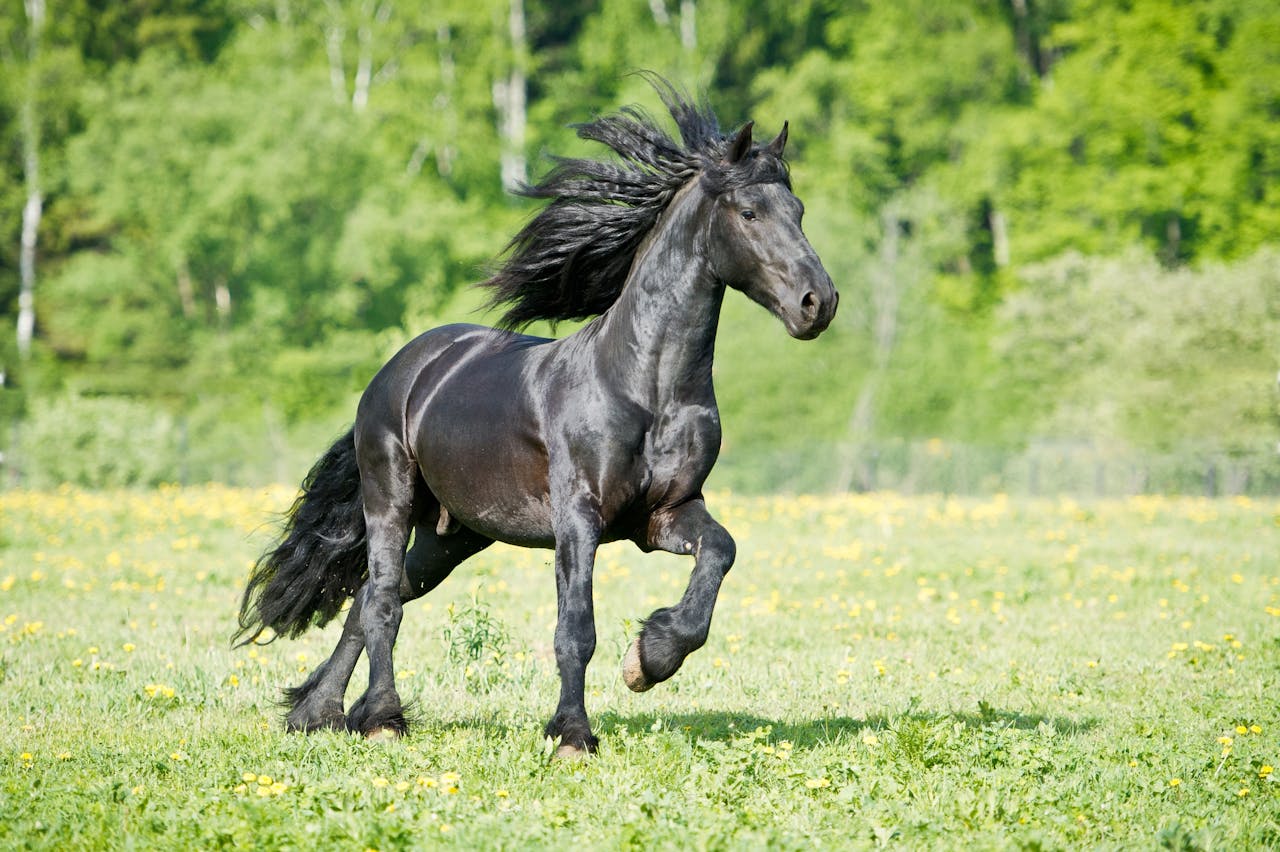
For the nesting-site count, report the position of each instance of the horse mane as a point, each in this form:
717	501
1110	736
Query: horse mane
571	260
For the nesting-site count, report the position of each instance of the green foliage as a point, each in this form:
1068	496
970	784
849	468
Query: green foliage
249	203
98	442
473	633
1131	353
479	643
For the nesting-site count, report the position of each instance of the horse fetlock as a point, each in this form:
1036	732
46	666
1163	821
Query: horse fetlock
574	734
659	651
378	716
326	717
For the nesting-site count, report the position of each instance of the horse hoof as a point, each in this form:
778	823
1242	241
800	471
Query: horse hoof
382	734
632	671
571	752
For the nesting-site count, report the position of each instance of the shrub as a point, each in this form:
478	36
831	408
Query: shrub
97	442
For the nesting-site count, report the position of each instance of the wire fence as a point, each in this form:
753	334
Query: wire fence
1040	468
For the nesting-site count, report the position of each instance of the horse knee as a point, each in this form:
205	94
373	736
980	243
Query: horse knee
718	548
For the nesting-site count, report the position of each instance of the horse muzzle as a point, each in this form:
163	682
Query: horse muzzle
813	310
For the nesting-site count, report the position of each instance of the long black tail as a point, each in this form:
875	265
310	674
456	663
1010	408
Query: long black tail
320	562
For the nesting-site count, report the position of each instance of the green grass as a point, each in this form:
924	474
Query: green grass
882	671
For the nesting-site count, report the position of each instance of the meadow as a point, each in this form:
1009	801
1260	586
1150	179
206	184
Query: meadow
883	671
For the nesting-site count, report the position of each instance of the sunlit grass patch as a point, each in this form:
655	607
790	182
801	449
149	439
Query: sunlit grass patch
882	670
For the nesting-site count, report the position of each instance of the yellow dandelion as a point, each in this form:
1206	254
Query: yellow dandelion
1175	782
248	776
129	647
502	794
380	782
870	739
64	755
1242	792
1241	730
1255	729
264	780
817	783
401	786
1264	770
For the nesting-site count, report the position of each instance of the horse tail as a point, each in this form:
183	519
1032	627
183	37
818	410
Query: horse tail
322	558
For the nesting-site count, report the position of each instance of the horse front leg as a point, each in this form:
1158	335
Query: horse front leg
672	633
577	537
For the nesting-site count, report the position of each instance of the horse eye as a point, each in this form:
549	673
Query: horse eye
748	215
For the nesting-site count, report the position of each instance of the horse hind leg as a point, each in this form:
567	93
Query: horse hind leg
317	703
438	548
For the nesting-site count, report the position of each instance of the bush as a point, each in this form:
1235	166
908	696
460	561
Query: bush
97	442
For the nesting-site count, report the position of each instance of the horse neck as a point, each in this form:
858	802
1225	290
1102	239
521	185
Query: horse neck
659	336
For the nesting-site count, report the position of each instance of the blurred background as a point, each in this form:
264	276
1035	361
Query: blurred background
1055	225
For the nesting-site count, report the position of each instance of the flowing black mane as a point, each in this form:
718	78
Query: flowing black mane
572	259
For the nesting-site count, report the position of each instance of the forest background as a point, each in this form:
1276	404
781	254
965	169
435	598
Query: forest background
1055	225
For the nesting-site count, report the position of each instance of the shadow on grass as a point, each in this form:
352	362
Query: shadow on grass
727	726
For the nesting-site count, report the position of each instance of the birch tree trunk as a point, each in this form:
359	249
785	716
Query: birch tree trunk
886	299
446	151
509	99
370	15
334	34
32	210
999	238
689	25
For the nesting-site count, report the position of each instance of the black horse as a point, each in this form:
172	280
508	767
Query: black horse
471	435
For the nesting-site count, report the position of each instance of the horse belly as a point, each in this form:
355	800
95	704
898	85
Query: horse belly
480	455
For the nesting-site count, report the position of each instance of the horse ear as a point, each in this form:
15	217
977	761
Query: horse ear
740	145
777	145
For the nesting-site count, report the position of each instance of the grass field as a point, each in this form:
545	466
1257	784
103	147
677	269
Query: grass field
883	671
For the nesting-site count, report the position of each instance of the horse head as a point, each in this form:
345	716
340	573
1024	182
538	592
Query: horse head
755	240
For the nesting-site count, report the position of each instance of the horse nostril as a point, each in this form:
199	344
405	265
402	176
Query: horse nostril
809	304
